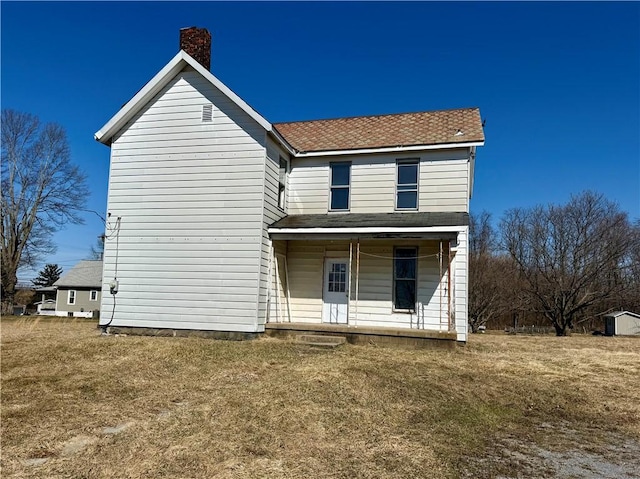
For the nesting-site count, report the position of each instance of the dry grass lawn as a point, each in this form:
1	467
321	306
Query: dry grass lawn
188	407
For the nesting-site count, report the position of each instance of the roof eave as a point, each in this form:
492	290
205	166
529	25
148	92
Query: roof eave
371	229
388	149
153	86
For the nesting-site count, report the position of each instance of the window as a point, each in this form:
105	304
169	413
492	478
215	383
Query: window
404	278
93	296
340	185
282	183
71	297
407	185
338	278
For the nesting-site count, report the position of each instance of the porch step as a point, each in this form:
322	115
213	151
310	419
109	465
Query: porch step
321	341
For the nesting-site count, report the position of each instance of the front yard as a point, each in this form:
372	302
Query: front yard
77	404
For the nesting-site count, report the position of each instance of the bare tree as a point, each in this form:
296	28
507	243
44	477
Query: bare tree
484	289
569	257
493	287
41	191
97	252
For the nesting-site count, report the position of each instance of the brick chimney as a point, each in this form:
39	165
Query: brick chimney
197	43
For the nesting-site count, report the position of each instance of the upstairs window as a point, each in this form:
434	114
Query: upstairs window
407	185
340	186
405	264
282	183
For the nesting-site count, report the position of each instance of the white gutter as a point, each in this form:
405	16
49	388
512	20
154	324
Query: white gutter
389	149
371	229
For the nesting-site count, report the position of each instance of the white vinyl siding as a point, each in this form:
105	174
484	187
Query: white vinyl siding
443	183
190	197
305	261
272	213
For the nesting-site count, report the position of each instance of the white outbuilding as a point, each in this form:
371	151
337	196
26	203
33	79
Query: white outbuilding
622	323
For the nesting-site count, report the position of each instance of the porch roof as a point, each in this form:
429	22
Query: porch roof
431	224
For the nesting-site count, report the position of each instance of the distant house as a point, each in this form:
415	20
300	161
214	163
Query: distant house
222	221
622	323
79	290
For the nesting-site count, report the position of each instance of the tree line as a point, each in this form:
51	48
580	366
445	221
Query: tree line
566	264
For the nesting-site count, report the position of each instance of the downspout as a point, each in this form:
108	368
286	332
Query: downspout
440	281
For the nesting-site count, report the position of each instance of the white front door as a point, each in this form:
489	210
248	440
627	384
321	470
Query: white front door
335	305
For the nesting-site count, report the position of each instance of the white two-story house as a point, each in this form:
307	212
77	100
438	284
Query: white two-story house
221	221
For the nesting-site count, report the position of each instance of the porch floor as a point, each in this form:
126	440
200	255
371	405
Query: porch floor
412	338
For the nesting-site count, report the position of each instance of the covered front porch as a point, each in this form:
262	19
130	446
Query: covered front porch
368	281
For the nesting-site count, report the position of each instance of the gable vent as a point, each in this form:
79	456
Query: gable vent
207	113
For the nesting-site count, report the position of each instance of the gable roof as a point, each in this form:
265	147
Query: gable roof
385	131
405	131
87	274
171	69
615	314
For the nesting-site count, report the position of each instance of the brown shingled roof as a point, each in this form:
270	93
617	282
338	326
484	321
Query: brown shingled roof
405	129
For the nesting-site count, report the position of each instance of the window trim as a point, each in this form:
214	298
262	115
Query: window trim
407	161
283	192
393	280
69	296
91	295
347	187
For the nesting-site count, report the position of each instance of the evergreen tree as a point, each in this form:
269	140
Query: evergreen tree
49	275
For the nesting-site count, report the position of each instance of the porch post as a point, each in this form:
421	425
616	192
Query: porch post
449	285
286	278
350	270
270	283
357	281
278	285
440	281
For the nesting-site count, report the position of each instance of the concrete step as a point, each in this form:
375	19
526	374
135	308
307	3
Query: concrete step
321	340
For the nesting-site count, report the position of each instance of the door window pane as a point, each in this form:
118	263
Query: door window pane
338	278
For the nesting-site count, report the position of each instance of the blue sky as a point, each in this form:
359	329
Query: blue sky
558	83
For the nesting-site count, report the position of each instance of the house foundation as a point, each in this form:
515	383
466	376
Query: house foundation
388	337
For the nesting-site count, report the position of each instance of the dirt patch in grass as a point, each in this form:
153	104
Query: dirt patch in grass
502	406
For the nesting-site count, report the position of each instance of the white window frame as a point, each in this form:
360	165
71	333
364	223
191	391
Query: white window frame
93	295
282	186
340	187
405	162
71	296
